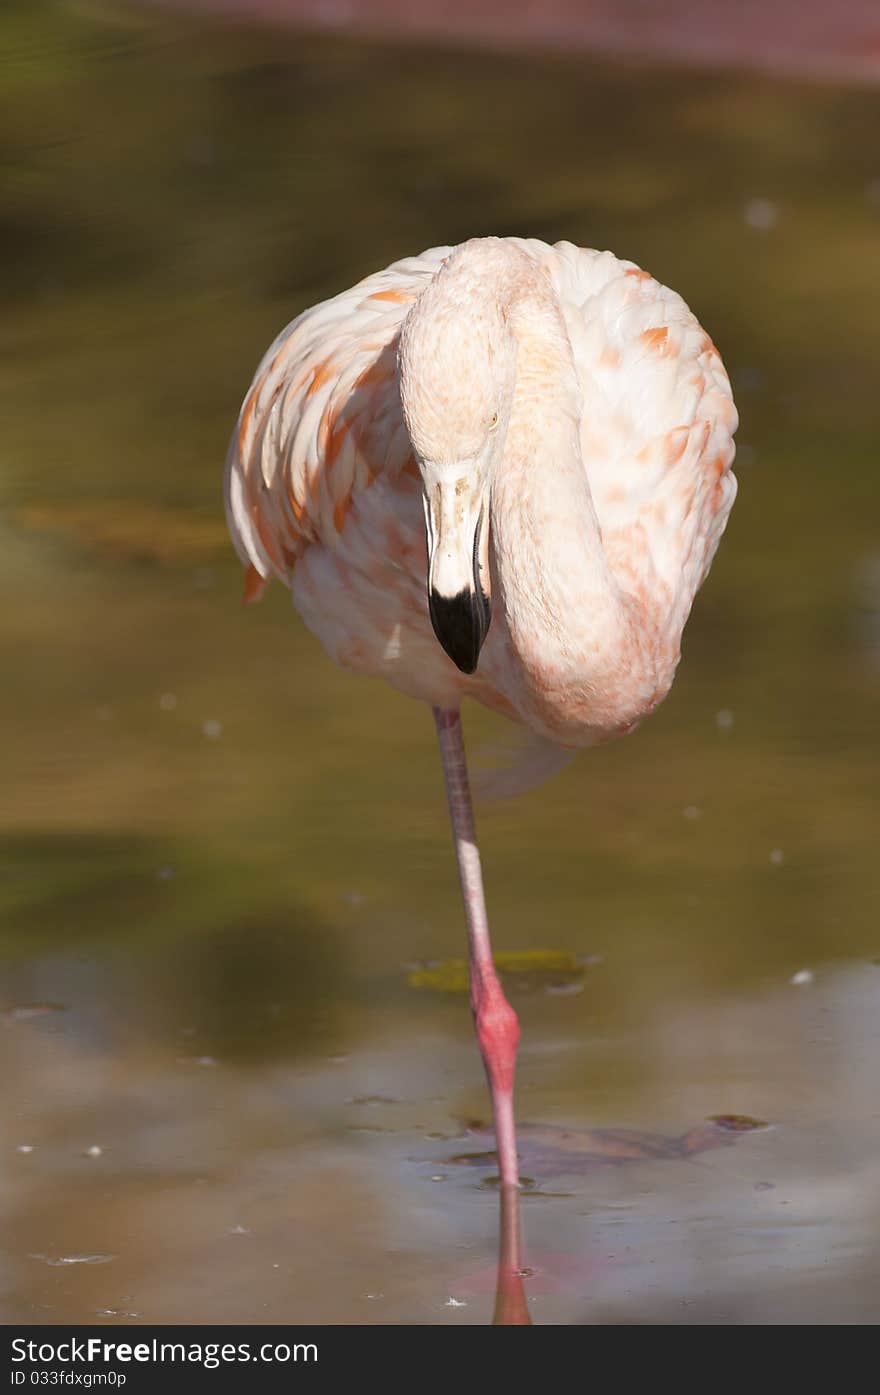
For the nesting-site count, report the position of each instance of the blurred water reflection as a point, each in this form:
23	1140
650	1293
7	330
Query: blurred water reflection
220	854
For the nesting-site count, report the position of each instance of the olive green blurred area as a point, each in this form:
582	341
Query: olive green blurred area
217	847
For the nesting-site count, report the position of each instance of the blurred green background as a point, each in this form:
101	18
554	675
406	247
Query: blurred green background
221	854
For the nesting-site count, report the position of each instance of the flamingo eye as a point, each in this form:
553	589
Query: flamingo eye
494	421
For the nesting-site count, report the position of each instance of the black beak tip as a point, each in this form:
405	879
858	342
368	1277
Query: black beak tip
461	623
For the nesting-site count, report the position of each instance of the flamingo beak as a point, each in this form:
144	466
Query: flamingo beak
459	602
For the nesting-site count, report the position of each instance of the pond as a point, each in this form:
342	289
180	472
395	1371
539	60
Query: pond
230	1093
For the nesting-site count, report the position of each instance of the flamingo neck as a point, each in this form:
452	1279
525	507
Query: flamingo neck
576	657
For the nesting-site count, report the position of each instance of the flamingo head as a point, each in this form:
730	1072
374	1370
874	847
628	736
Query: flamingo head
457	366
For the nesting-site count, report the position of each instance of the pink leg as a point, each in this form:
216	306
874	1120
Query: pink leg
495	1020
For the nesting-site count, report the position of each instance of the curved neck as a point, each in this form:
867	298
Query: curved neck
576	659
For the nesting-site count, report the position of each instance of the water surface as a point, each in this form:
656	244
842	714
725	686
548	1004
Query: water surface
221	856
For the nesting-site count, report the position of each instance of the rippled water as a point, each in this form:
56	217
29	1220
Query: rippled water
223	1097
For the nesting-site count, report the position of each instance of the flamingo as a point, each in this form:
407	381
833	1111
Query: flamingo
558	429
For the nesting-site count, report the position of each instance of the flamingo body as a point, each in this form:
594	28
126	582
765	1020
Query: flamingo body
595	556
557	427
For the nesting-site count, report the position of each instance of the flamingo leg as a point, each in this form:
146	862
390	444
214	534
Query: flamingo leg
495	1020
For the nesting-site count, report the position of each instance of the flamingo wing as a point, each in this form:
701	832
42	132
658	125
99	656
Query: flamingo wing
321	421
